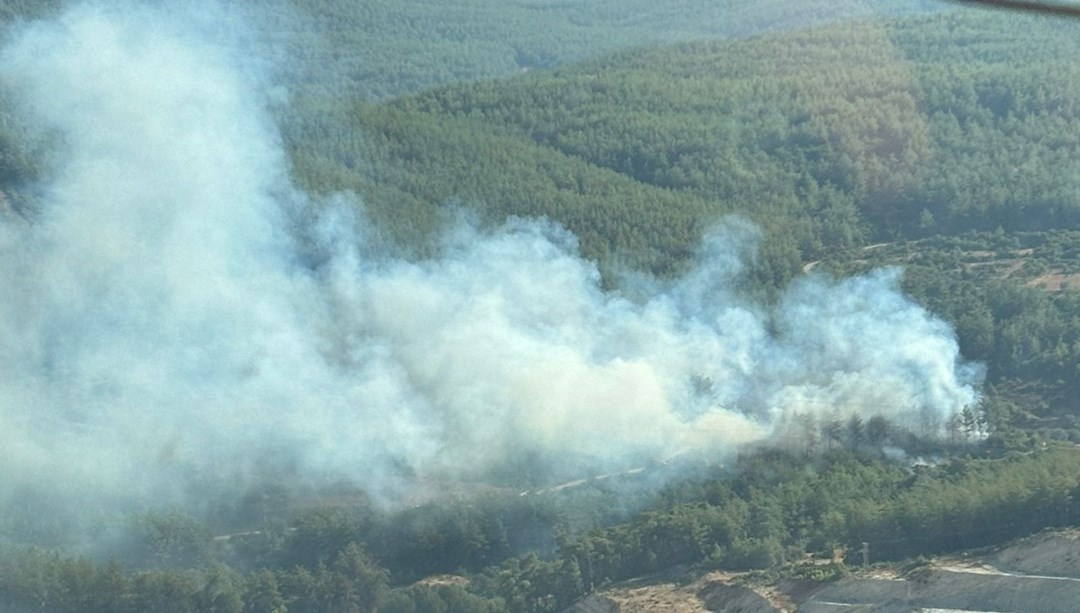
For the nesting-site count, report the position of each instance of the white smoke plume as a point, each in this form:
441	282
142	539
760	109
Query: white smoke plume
158	327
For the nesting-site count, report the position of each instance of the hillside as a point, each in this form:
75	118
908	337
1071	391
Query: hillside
542	308
380	49
830	137
1012	301
768	511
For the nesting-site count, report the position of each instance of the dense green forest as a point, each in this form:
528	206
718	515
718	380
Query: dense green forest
764	512
831	138
377	49
370	49
945	144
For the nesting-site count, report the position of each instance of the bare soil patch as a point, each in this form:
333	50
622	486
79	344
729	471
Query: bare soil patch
1056	282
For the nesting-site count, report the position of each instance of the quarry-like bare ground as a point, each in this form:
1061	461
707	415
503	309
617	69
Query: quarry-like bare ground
700	596
1039	574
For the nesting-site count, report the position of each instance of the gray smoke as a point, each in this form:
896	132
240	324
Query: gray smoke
159	327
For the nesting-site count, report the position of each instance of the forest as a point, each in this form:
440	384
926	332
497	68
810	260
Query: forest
940	142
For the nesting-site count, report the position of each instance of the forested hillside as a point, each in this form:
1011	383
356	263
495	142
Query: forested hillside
831	138
944	144
370	49
377	49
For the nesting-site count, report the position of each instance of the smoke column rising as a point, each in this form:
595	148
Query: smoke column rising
159	328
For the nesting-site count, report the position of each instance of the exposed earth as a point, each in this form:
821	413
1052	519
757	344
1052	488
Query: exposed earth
1039	574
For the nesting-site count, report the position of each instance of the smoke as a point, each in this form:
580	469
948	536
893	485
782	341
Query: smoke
162	328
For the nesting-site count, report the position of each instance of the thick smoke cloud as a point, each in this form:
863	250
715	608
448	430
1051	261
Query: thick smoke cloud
161	327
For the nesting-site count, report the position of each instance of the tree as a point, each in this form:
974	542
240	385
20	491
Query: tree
319	536
220	592
171	540
856	431
367	581
166	591
834	431
112	593
877	430
261	593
